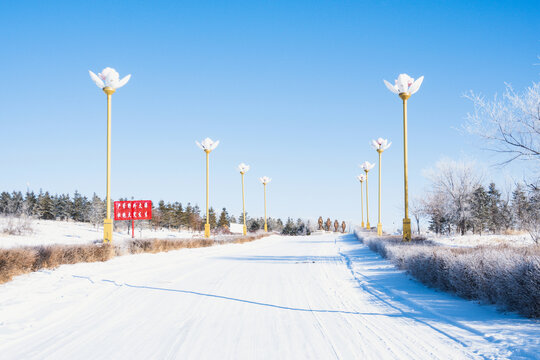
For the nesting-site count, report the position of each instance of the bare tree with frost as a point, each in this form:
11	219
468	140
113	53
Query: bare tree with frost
452	184
510	124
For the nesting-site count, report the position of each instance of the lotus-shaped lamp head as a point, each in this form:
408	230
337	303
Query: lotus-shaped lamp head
265	180
109	77
405	85
207	145
243	168
366	166
361	178
380	144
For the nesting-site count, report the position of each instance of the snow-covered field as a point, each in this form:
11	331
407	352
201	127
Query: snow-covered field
47	232
318	297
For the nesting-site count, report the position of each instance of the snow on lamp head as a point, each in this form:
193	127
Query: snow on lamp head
405	85
361	178
380	144
265	180
366	166
109	78
207	145
243	168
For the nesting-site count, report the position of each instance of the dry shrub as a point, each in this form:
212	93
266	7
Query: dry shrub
23	260
162	245
507	276
18	261
15	262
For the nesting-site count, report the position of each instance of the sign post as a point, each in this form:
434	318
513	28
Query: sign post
133	210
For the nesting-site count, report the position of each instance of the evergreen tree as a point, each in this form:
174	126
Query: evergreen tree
5	199
224	219
16	203
232	220
480	210
289	228
507	218
519	206
179	215
212	218
241	218
80	209
494	197
62	206
30	203
45	206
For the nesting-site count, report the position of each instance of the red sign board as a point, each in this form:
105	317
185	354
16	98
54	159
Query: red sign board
133	210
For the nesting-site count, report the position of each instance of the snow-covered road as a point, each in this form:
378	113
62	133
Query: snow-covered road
318	297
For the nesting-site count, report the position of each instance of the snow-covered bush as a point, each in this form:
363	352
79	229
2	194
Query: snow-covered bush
18	225
507	276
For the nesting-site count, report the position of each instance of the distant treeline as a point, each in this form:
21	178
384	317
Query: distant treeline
165	215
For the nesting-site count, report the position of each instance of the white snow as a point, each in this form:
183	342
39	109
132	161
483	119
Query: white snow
317	297
47	232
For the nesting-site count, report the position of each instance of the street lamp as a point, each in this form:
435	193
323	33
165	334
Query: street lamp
207	145
362	178
380	145
108	80
265	180
405	86
366	166
243	169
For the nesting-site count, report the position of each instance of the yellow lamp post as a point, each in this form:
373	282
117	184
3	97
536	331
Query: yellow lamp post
380	145
207	145
108	80
362	178
405	86
265	180
243	170
366	166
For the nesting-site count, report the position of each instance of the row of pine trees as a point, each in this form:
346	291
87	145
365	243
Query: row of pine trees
165	215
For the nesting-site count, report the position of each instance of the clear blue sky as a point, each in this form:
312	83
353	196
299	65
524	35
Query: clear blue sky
292	88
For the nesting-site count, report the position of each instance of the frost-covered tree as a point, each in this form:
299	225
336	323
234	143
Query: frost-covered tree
454	182
98	210
509	124
532	215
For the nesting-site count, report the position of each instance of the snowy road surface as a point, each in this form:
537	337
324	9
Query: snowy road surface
318	297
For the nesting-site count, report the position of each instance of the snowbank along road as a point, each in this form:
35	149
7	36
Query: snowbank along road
318	297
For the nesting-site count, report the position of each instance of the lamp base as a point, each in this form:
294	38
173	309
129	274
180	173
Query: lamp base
265	227
379	229
244	230
406	229
368	226
363	224
206	230
107	230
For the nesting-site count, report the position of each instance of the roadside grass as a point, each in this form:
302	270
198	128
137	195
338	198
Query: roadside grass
507	276
23	260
